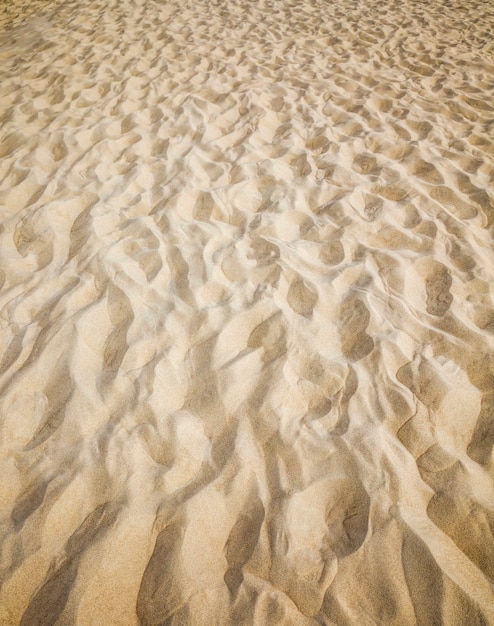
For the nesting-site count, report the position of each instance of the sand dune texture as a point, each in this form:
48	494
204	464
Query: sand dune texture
247	321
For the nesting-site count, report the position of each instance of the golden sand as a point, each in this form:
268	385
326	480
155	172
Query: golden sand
247	321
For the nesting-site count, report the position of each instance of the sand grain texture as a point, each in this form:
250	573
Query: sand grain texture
246	328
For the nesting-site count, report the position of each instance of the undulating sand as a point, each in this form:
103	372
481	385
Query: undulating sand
247	320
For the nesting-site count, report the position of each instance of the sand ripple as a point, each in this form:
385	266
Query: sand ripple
246	329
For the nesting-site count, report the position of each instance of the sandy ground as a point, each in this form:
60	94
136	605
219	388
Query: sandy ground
247	321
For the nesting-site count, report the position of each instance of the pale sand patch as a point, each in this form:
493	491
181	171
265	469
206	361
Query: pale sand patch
246	328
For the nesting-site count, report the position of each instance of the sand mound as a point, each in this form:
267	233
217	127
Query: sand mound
247	321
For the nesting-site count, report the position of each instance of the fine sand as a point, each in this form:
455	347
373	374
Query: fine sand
247	321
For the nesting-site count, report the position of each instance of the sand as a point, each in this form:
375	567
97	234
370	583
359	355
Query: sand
247	321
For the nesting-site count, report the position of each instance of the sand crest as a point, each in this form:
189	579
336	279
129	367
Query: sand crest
246	313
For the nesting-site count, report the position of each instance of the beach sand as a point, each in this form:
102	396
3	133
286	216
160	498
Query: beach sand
247	321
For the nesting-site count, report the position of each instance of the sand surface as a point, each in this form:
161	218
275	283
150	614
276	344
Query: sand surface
247	321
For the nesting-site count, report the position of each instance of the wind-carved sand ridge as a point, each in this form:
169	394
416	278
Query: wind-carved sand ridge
246	329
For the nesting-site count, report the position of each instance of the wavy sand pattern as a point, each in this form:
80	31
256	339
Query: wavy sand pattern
247	274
